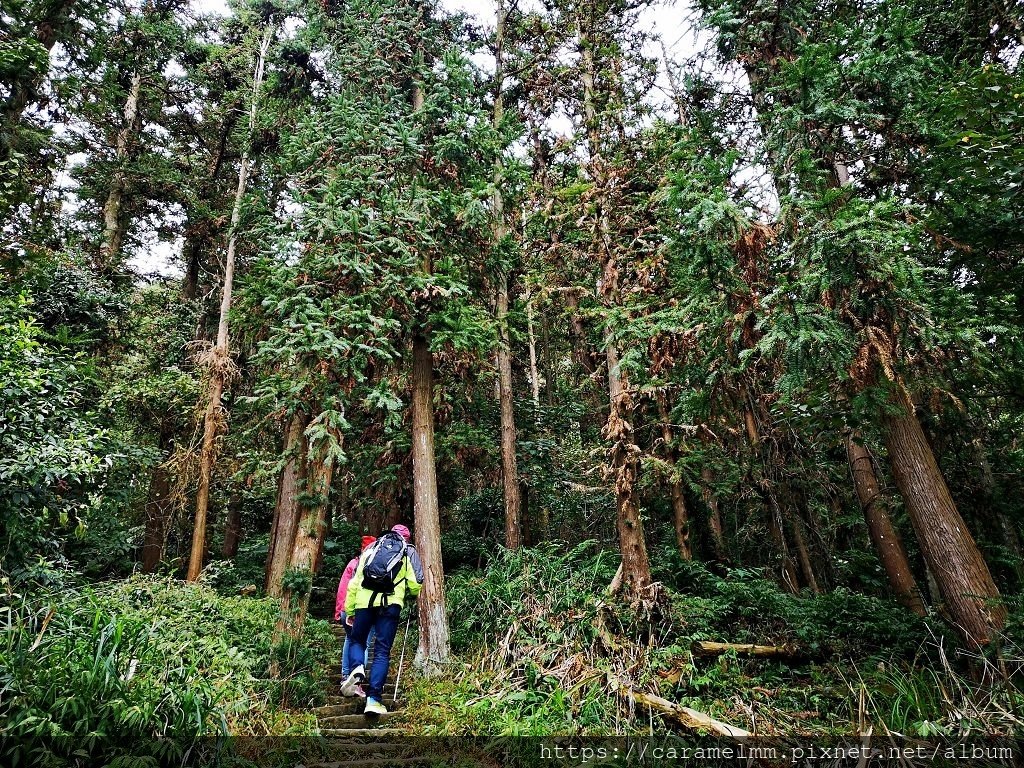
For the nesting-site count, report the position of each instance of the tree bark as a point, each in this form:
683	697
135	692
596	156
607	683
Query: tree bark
509	467
970	596
159	508
233	526
707	492
308	542
509	464
115	224
532	341
883	533
286	510
220	359
803	556
680	515
434	646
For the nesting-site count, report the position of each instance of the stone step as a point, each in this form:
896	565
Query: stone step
351	706
373	745
345	706
388	686
353	720
371	761
358	733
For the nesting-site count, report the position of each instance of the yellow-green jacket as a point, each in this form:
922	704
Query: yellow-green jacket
410	579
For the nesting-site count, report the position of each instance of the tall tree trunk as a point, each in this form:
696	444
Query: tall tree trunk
680	515
286	510
803	555
220	358
787	569
115	224
159	507
232	526
623	453
550	384
308	542
971	597
509	467
532	341
434	646
883	533
707	491
993	508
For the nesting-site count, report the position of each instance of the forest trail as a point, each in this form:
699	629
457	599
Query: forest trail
342	718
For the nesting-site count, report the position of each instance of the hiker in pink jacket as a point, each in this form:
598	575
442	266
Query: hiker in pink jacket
339	603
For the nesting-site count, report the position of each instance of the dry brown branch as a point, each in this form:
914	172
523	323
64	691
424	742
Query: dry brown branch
688	718
705	648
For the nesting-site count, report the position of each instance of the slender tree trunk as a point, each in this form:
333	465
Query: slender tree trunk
790	578
803	555
550	384
707	492
995	512
532	340
233	526
623	453
220	358
969	594
883	533
509	467
159	508
286	510
115	224
680	515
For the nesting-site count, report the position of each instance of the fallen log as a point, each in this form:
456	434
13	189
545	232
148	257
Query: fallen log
689	718
706	648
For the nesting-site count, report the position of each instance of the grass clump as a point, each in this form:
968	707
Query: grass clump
144	668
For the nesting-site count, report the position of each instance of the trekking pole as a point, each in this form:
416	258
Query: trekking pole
401	659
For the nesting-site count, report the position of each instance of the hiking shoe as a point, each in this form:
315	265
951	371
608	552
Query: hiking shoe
351	685
374	707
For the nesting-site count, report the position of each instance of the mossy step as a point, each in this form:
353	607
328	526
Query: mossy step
373	745
347	707
368	761
353	720
357	733
388	700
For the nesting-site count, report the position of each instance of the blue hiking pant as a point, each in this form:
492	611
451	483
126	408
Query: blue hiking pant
346	668
384	622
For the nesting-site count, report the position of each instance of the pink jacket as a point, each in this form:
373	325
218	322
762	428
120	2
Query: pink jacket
346	577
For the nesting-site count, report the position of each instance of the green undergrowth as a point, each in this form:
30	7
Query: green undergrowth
541	649
146	668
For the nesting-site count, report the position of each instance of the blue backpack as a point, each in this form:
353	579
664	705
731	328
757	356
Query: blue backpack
384	563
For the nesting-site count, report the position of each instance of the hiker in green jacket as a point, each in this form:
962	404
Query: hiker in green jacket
387	572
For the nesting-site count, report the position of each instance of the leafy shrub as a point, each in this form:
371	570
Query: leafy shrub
745	607
550	588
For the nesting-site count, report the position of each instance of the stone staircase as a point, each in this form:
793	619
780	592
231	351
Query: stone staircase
343	718
355	741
